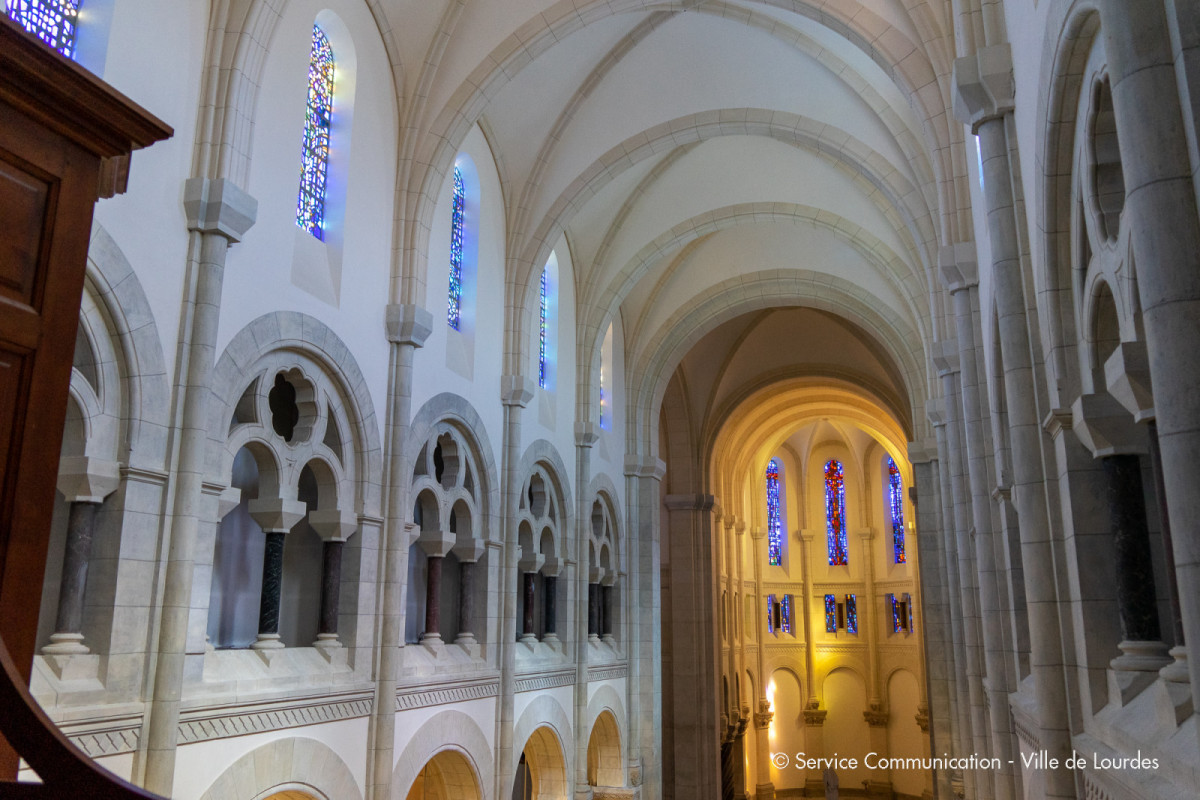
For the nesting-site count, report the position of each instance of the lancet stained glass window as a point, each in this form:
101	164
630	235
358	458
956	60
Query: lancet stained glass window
318	121
908	607
835	514
896	501
851	613
895	604
774	524
830	614
542	331
53	21
770	613
454	296
785	613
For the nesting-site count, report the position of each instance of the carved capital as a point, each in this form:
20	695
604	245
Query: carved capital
408	324
516	390
763	719
958	266
945	357
923	720
276	515
1105	427
218	207
876	717
815	717
983	86
1127	374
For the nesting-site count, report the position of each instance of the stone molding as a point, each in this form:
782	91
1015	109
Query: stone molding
550	680
422	698
218	206
645	467
107	737
983	86
608	673
221	722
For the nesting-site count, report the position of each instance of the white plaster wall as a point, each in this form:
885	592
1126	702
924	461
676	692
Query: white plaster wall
552	413
564	696
198	765
261	267
482	711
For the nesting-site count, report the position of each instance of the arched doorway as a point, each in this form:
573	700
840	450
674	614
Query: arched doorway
446	776
541	771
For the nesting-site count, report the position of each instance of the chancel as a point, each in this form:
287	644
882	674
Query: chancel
656	399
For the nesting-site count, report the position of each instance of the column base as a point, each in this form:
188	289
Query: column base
268	641
1172	702
766	791
1141	656
1177	671
66	644
593	638
327	645
466	638
528	638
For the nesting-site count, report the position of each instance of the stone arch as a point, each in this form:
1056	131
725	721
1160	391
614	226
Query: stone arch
446	776
546	719
605	765
449	732
286	765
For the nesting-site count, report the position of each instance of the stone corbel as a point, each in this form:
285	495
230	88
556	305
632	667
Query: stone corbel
945	357
935	410
218	206
958	266
983	86
586	434
407	324
1105	427
516	390
227	501
645	467
1127	375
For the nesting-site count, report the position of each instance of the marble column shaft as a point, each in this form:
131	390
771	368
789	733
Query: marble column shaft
433	597
1136	598
272	583
1161	206
81	523
550	603
1168	547
529	597
331	586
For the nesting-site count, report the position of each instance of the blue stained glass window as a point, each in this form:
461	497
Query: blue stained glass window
318	120
53	21
774	525
896	622
908	605
603	416
770	613
830	614
835	514
454	297
851	613
896	501
542	333
785	613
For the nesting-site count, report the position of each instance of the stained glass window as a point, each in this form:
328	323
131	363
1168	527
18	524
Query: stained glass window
774	525
53	21
603	404
454	297
830	614
835	514
908	607
785	613
896	622
318	118
542	331
770	613
851	613
896	501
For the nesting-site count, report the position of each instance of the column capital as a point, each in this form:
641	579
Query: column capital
691	502
1127	375
596	574
276	515
945	357
758	533
333	525
983	86
468	551
407	324
935	410
1105	427
958	266
531	563
516	390
436	544
218	206
922	718
645	467
876	717
227	500
815	717
922	452
866	534
553	566
586	434
82	479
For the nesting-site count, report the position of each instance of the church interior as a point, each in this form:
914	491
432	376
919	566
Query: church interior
640	399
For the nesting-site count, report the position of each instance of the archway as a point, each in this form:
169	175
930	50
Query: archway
604	752
541	771
446	776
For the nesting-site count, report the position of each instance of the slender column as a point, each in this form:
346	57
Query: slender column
550	605
218	214
606	622
1161	207
764	790
335	528
806	538
594	605
814	747
983	99
515	394
867	536
877	723
84	482
407	327
960	274
764	787
276	516
529	567
468	553
586	436
436	545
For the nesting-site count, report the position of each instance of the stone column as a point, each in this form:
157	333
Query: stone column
515	393
983	99
407	327
1127	373
435	545
1161	208
276	517
1107	430
84	483
960	275
529	566
468	552
643	477
586	436
606	609
866	537
764	790
335	528
814	747
877	722
806	538
218	215
595	575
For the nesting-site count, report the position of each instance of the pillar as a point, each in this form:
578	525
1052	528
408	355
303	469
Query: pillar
595	576
586	436
468	553
435	545
814	747
335	528
606	607
877	723
84	483
218	215
983	99
276	517
529	566
763	790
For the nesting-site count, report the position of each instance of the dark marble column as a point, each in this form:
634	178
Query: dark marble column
331	586
466	601
593	611
529	585
272	586
550	601
1160	495
1136	599
606	626
68	626
433	593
